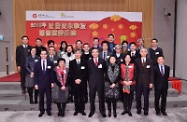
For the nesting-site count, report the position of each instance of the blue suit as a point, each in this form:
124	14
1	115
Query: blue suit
44	80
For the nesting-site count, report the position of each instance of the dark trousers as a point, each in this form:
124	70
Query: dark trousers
127	101
163	95
61	108
111	102
79	98
47	92
30	91
22	78
100	91
141	89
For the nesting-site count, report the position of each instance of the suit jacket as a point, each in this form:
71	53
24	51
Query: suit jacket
96	73
86	57
21	55
145	74
153	54
41	79
133	58
54	60
108	55
78	72
119	59
161	81
111	47
30	63
39	49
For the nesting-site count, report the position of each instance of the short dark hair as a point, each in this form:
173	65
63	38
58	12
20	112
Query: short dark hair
96	39
51	47
104	42
24	37
43	50
111	57
61	59
155	40
160	56
50	41
132	43
78	41
95	49
124	42
111	35
39	39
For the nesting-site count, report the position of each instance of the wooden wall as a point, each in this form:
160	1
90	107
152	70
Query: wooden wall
20	6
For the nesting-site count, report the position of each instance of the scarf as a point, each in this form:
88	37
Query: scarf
126	89
61	75
113	73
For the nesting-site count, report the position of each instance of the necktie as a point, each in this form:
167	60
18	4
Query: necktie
162	70
132	54
143	62
96	63
51	58
104	56
44	67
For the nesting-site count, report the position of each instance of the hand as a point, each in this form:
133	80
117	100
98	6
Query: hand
36	87
129	83
125	83
32	74
113	85
19	68
77	81
52	85
63	88
151	86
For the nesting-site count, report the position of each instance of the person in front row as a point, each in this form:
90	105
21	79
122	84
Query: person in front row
96	70
60	91
161	72
144	80
112	85
78	72
43	81
29	80
128	76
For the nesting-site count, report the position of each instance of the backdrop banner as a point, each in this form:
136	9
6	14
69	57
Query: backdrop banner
71	26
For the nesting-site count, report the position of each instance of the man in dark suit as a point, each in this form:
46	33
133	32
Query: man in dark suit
78	72
111	43
39	46
96	70
95	45
22	51
140	42
43	82
154	51
144	81
51	56
133	52
161	73
118	54
105	53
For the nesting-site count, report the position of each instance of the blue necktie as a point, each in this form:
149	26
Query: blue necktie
162	70
44	67
104	56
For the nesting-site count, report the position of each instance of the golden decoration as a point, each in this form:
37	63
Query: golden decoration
112	29
133	27
94	26
105	26
115	18
94	33
120	26
123	37
133	34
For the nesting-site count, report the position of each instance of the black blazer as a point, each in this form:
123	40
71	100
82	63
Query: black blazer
21	55
161	82
86	57
119	59
78	72
54	60
96	73
41	79
145	74
153	54
30	63
133	58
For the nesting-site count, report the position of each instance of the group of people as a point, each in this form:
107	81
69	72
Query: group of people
113	71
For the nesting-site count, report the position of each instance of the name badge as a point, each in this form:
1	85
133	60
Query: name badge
55	62
36	60
130	67
108	56
121	60
90	58
48	67
148	66
157	53
82	67
100	66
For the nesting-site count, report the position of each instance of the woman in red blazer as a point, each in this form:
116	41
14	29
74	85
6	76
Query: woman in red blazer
128	76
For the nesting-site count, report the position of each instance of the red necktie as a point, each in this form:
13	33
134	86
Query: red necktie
96	62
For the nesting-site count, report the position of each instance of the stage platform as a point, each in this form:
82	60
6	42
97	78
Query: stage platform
11	99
